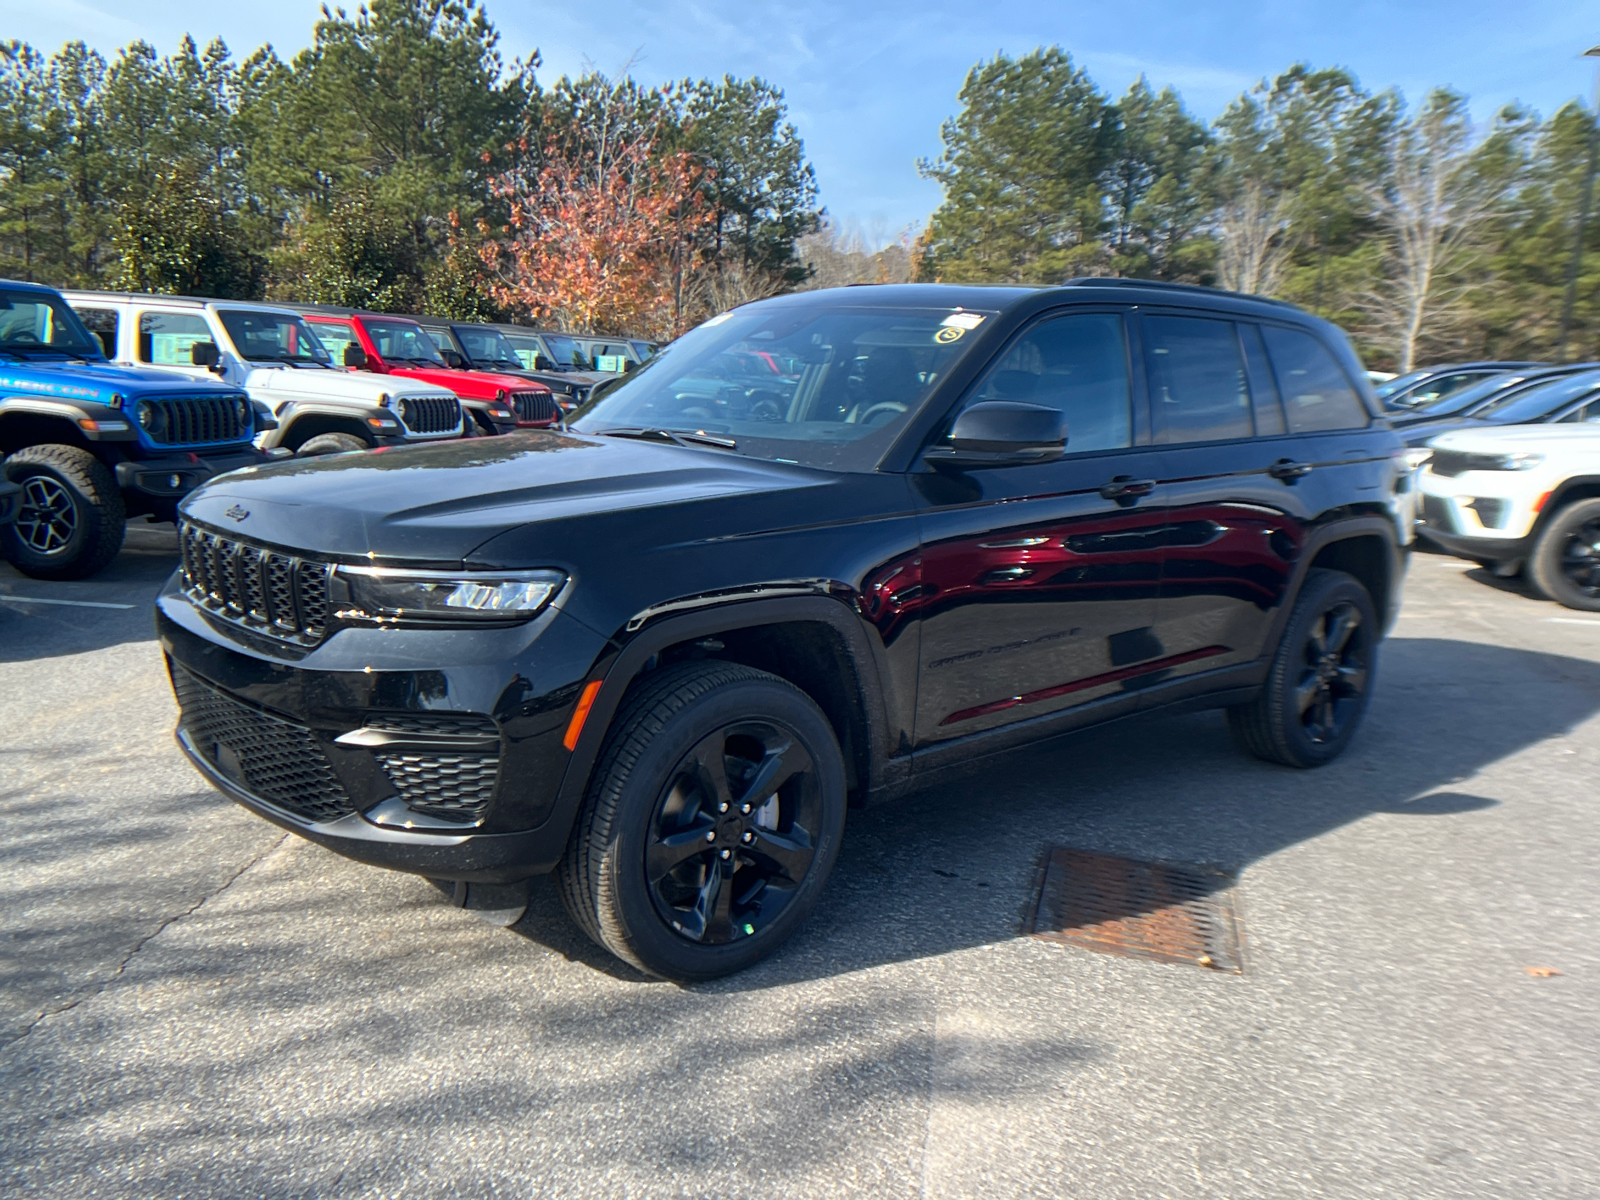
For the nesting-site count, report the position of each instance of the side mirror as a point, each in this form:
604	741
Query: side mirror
354	356
452	360
998	433
205	354
541	363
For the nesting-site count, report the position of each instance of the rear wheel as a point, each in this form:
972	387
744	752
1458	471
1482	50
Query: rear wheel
1565	564
1321	677
712	822
330	443
71	519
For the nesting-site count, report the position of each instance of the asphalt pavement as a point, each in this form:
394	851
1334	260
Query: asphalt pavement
194	1004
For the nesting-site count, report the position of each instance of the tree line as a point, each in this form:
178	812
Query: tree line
1425	235
402	162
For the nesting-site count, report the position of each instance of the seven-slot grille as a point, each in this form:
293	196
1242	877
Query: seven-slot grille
271	757
275	593
195	420
534	406
431	414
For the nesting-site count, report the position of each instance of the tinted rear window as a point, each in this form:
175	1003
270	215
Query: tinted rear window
1198	391
1317	395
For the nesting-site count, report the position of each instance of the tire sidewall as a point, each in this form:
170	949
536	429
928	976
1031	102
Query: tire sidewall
340	449
648	937
1321	594
1547	573
91	521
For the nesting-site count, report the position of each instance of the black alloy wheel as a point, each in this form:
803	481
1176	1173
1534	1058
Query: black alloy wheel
711	822
1565	563
1320	680
732	837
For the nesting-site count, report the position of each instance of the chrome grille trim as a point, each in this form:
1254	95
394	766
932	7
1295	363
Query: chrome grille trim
280	595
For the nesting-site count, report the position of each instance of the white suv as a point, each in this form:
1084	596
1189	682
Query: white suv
320	408
1520	497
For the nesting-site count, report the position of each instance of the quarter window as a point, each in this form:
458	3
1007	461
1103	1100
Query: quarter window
1317	395
1078	364
167	339
1197	380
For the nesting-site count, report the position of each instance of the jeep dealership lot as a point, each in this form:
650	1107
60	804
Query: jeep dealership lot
194	1003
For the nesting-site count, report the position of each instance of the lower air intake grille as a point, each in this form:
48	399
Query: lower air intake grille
1437	513
535	406
431	414
275	759
438	780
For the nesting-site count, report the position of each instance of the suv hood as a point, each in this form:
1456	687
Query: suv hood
469	385
1578	440
578	494
97	382
339	384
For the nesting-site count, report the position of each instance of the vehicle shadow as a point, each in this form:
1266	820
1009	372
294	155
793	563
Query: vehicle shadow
73	625
958	864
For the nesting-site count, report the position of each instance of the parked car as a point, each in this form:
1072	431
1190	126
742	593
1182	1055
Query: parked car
1418	388
495	402
1563	398
612	355
271	353
556	359
1468	401
483	347
90	444
658	651
1526	497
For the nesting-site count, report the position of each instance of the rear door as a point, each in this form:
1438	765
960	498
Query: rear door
1263	435
1038	582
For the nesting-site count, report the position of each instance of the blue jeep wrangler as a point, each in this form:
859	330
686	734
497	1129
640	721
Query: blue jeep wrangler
92	444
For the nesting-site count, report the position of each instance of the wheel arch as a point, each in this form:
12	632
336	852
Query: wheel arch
1364	547
1568	491
23	427
816	643
302	427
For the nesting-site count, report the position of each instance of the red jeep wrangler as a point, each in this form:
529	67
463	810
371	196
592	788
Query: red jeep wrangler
391	345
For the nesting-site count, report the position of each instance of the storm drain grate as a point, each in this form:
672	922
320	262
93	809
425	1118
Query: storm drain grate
1169	912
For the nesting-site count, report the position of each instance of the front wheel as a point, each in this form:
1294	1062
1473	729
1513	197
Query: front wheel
711	823
71	520
1321	677
1565	563
330	443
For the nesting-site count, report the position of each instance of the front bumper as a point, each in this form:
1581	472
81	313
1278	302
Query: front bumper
173	476
290	736
1478	549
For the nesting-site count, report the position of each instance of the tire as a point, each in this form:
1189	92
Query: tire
72	517
639	876
330	443
1565	563
1320	680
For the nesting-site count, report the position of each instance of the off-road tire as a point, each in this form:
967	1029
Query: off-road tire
1545	564
1271	727
98	512
330	443
602	876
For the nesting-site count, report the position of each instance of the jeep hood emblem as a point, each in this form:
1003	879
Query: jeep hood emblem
237	513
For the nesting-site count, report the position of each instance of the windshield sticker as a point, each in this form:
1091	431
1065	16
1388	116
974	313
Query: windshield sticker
949	333
963	320
717	320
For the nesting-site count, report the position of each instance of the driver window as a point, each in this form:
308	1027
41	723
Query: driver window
166	339
1076	363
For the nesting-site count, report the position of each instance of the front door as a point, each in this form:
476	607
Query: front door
167	340
1038	583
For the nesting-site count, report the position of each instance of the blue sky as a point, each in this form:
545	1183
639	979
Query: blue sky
869	82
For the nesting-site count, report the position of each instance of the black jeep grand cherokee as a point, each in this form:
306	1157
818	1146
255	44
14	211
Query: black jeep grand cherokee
819	551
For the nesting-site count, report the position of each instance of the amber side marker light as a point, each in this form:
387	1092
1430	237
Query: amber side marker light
580	715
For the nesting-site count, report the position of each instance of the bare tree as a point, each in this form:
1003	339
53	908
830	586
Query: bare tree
840	254
1256	239
1440	191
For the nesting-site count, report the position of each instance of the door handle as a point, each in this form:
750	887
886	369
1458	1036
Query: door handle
1288	470
1124	488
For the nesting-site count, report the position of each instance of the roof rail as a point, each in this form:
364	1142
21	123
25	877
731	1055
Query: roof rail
1163	285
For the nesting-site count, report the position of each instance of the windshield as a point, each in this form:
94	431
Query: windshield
819	383
35	323
403	341
1540	401
1400	383
566	351
1468	398
272	337
487	346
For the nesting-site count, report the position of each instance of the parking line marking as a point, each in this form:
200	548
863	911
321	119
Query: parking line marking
69	603
1573	620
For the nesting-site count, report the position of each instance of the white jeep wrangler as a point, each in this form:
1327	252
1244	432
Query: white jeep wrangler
320	407
1520	498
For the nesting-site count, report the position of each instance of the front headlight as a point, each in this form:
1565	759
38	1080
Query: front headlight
1521	461
395	594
